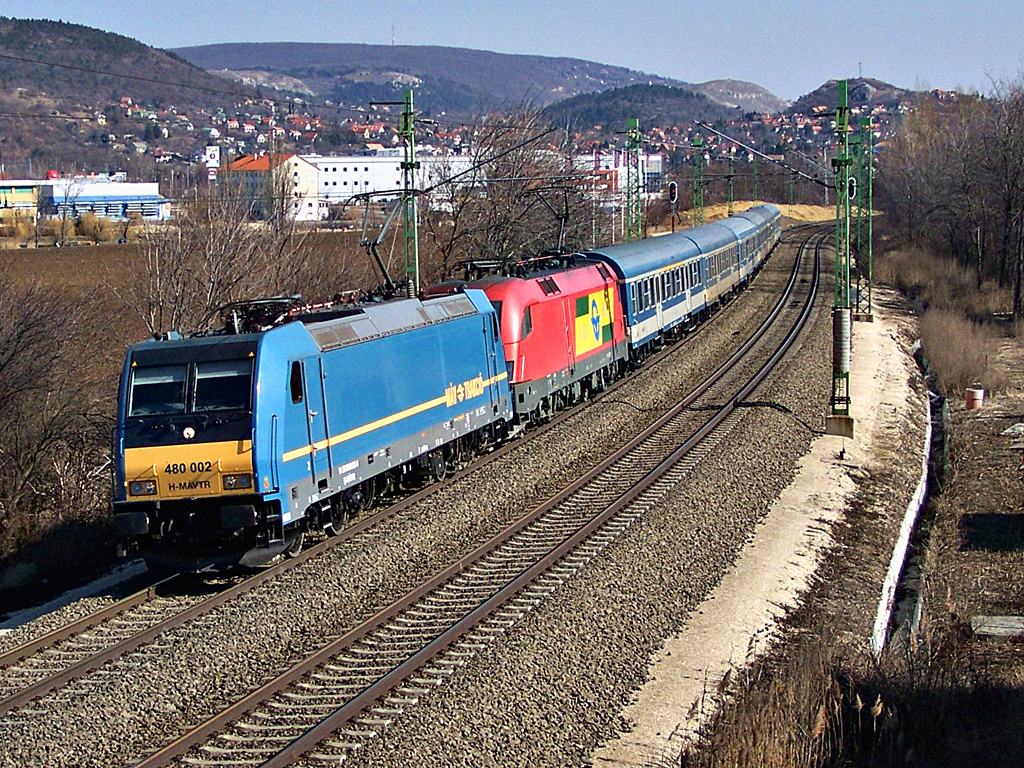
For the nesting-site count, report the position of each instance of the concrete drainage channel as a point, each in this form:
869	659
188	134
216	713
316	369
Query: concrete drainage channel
899	609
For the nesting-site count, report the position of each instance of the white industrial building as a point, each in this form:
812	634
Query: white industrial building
610	171
343	176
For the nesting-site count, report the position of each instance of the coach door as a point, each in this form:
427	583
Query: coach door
490	341
316	418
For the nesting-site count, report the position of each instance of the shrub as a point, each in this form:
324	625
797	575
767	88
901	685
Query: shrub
940	283
96	228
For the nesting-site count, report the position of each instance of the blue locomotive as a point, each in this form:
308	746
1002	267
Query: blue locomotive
229	447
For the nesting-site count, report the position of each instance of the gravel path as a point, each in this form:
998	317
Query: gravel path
133	706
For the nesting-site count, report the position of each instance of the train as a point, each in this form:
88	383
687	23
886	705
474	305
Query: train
231	446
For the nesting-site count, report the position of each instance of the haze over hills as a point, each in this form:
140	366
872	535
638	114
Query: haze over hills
450	80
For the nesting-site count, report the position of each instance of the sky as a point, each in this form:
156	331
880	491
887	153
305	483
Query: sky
789	48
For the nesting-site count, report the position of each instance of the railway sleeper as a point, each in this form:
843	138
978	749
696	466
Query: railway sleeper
383	650
477	637
353	733
400	633
374	722
346	746
212	750
402	701
329	695
406	690
433	680
204	763
273	725
296	706
383	642
440	671
364	670
254	739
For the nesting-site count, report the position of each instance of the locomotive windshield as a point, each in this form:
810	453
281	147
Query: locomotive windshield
158	390
223	386
163	390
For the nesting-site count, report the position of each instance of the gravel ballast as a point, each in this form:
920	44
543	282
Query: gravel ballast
136	704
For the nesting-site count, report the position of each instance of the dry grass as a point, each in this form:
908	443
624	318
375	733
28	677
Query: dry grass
959	333
820	704
934	282
960	352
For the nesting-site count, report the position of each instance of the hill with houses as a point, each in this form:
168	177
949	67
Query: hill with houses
79	99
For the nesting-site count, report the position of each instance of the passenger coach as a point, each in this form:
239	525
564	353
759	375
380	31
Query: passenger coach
667	283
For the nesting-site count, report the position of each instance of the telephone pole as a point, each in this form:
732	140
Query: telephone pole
839	422
732	157
698	181
865	179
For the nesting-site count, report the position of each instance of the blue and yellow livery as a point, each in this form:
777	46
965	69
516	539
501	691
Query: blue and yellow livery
229	447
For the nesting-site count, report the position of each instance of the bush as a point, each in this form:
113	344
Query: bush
940	283
51	437
96	228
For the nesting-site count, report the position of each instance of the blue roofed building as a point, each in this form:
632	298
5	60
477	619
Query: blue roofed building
113	199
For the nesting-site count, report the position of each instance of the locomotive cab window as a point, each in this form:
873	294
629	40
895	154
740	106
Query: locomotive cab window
158	390
223	386
527	324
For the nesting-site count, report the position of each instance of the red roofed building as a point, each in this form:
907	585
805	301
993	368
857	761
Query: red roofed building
270	181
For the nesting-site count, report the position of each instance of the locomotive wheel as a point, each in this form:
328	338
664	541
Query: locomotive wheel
436	465
369	493
337	517
293	544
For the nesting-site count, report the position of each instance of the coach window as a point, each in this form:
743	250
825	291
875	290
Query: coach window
632	297
295	382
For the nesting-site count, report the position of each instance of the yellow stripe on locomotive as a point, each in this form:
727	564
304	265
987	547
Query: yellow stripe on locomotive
187	471
594	313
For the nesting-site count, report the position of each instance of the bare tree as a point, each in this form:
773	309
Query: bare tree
519	196
44	406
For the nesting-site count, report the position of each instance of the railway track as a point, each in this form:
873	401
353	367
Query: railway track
45	664
335	700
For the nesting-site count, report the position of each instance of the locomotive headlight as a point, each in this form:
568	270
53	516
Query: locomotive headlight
237	482
142	487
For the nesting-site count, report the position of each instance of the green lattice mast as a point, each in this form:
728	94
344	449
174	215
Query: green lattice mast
633	186
409	219
840	422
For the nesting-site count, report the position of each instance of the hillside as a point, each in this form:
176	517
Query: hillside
656	106
863	92
447	80
745	96
47	109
